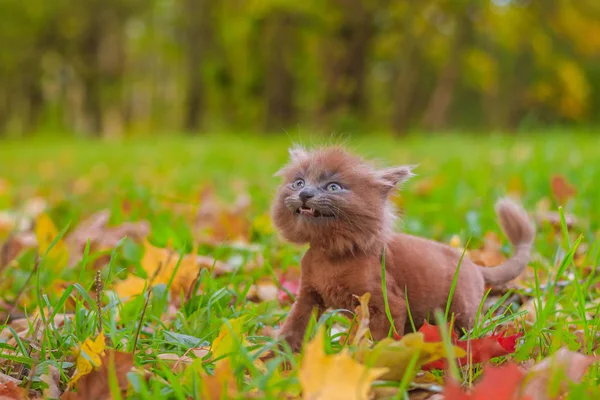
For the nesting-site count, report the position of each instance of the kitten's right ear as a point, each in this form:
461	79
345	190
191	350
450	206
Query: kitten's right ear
392	177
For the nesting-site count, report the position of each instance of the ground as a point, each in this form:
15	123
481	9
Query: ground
210	196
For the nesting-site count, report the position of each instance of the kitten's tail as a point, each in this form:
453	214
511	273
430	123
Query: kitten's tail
520	230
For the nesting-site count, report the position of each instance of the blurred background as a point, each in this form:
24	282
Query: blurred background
129	67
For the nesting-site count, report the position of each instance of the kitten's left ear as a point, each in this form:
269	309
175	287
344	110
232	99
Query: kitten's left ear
392	177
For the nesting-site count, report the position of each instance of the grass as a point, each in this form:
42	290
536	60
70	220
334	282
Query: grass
459	179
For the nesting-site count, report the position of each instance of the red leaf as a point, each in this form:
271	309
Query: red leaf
498	383
293	286
482	349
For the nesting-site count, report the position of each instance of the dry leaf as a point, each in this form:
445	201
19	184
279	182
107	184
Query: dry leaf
498	383
96	384
10	391
7	378
360	328
52	379
88	356
562	190
334	377
221	382
45	232
160	265
230	337
101	237
562	364
396	356
490	255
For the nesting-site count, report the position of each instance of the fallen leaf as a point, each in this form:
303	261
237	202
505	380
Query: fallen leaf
102	237
482	349
96	384
88	356
562	367
333	377
490	255
219	383
290	281
497	383
7	378
230	338
263	290
360	328
553	218
52	379
45	232
561	189
160	265
396	356
10	391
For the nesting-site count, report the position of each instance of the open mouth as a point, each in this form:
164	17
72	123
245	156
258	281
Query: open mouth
309	212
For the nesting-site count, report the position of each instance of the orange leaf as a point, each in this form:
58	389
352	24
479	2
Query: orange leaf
562	190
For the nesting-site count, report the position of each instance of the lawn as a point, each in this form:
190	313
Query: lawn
183	326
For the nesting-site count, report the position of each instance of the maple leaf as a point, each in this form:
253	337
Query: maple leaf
482	349
397	355
333	377
45	232
88	356
96	385
498	383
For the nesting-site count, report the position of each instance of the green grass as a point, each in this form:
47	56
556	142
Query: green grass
458	180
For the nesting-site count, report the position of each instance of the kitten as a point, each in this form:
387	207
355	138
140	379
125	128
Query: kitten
339	204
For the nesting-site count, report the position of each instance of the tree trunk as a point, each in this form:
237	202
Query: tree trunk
346	61
436	113
90	76
406	86
197	18
280	84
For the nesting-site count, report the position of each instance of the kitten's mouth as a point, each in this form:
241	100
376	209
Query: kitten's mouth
310	212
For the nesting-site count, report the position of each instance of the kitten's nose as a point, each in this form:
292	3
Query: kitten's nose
307	193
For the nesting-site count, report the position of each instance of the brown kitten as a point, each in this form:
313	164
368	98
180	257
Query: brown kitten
339	204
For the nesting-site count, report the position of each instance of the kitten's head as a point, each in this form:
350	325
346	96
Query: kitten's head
336	201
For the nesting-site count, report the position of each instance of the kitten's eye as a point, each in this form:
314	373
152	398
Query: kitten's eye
334	187
298	184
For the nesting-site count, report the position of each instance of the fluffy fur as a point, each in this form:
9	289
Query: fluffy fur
339	204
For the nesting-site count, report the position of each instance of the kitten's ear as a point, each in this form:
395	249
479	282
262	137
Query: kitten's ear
297	153
392	177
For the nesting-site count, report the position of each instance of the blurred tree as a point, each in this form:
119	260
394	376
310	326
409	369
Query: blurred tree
110	67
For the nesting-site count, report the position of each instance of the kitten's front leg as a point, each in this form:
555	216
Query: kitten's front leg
294	327
380	324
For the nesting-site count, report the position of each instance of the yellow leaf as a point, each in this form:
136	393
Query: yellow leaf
334	377
230	338
46	232
263	225
89	357
358	332
160	266
395	356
